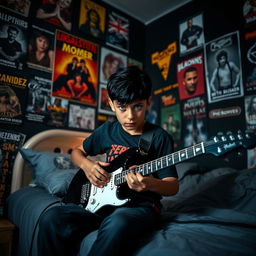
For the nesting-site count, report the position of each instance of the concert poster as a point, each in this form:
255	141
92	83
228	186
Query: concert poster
10	142
13	41
190	76
250	111
103	106
18	6
41	41
92	19
75	75
110	62
81	117
118	31
249	12
13	93
223	68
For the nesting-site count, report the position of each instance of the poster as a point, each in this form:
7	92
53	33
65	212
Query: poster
92	19
249	12
223	68
75	75
250	112
10	142
18	6
13	41
190	75
103	106
13	96
118	31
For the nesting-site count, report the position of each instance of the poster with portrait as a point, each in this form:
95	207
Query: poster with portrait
81	117
13	95
10	142
110	62
190	76
250	61
40	49
250	111
223	68
92	19
191	34
57	13
103	105
118	31
249	12
75	75
13	41
18	6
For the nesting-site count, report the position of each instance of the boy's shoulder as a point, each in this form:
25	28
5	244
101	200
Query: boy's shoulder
157	129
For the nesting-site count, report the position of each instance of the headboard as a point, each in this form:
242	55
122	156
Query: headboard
50	140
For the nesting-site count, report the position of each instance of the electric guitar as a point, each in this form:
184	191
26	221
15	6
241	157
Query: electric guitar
93	198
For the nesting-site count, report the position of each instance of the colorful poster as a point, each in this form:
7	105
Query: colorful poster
81	117
110	62
191	34
13	41
75	75
223	68
92	19
190	75
18	6
40	49
13	94
103	106
249	12
250	112
118	31
57	13
10	142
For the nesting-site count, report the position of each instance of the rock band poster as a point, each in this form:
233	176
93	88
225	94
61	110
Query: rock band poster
223	68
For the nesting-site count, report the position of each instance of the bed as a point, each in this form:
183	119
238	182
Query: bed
214	212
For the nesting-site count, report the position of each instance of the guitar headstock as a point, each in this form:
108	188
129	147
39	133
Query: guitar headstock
223	143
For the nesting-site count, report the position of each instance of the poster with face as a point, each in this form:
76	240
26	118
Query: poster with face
18	6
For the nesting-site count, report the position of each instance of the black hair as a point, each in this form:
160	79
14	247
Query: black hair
129	84
190	69
221	54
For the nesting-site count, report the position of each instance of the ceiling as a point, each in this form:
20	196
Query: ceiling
146	11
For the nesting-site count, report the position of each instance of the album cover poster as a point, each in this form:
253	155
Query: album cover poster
81	117
13	41
191	34
250	61
39	97
133	62
223	68
13	94
103	106
57	111
18	6
57	13
250	112
75	75
92	19
110	62
249	12
40	49
10	142
190	76
194	121
118	31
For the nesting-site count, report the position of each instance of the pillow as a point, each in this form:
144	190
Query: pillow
52	171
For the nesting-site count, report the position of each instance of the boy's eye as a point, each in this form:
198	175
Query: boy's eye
122	107
137	107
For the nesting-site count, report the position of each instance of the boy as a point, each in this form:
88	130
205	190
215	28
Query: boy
62	228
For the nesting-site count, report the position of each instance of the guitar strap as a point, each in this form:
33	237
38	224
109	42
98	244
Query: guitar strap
145	142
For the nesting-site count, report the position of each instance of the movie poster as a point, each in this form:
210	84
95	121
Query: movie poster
92	19
190	75
250	62
81	117
110	62
118	31
40	49
75	75
18	6
13	95
223	68
249	12
194	121
10	142
191	34
103	105
250	112
13	41
57	13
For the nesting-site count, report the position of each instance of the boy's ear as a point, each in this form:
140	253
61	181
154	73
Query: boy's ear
149	101
111	104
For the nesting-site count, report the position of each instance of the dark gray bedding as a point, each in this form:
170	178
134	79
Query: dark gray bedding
214	213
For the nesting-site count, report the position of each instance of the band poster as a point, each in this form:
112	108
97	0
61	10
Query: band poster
13	41
190	75
10	142
250	112
92	19
118	31
249	12
75	75
13	93
223	68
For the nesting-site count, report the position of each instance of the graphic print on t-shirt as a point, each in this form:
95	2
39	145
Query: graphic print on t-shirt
115	151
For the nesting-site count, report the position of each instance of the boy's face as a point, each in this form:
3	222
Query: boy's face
131	116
